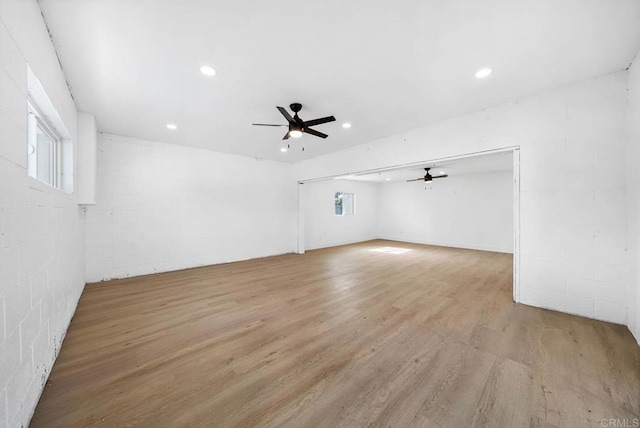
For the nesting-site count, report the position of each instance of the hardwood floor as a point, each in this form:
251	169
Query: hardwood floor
347	336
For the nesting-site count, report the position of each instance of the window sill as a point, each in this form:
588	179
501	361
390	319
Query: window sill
47	188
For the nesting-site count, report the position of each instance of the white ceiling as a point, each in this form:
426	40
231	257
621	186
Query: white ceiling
384	66
471	165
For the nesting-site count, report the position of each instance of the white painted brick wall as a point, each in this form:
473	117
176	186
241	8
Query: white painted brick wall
633	196
41	229
322	228
162	207
573	225
466	211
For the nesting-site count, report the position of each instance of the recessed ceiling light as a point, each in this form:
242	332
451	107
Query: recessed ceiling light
388	179
207	70
283	149
172	126
346	125
482	73
441	172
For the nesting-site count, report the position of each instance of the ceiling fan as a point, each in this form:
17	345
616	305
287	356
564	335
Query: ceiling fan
298	126
428	177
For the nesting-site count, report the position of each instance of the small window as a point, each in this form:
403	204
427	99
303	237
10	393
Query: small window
44	150
49	145
344	203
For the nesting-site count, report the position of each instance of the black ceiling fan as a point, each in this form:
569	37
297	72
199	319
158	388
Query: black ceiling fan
428	177
298	126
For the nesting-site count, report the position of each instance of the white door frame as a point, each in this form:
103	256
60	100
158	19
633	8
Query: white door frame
300	247
516	225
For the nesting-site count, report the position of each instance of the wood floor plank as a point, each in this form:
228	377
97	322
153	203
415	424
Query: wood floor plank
346	336
507	396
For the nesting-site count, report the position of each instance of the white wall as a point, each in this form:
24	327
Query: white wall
322	228
466	211
87	147
633	197
162	207
573	226
42	234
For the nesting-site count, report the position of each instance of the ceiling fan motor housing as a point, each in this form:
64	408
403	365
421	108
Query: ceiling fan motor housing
297	126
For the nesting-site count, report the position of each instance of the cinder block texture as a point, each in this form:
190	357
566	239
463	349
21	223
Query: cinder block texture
162	207
573	223
41	228
633	197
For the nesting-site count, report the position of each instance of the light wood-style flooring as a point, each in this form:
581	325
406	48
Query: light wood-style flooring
347	336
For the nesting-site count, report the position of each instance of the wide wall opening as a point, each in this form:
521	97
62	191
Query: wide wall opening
468	202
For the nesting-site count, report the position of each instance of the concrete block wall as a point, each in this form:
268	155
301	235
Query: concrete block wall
465	211
322	228
573	225
480	205
41	228
162	207
87	136
633	196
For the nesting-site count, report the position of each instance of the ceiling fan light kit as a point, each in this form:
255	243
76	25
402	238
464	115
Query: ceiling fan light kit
297	126
295	131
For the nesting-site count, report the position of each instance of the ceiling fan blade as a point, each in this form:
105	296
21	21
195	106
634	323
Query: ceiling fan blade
286	136
286	114
319	121
266	124
440	176
416	179
314	132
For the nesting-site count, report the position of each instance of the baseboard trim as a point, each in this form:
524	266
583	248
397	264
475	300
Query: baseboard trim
448	244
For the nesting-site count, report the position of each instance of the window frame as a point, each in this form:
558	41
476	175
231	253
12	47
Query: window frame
36	123
342	204
44	122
